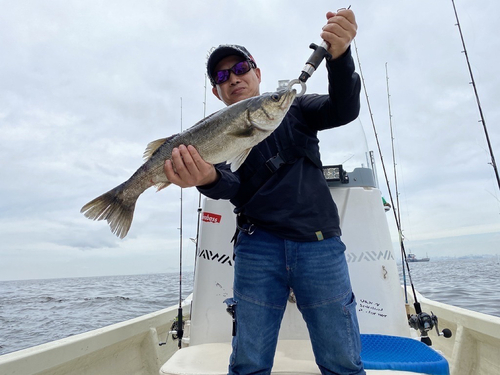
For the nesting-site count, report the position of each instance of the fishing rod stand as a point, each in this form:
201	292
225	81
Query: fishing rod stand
424	323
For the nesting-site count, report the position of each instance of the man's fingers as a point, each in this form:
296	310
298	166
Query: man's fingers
340	22
182	161
330	15
197	159
187	168
191	165
339	31
348	14
168	168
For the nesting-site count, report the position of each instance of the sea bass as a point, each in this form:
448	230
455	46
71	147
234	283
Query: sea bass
227	135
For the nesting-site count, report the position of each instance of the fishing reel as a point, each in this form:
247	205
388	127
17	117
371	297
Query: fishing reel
424	323
174	329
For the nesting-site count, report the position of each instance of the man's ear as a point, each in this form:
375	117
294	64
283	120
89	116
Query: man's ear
257	73
215	92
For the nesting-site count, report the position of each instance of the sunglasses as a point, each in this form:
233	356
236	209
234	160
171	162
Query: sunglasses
238	69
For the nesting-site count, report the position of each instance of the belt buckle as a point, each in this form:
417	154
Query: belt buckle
250	230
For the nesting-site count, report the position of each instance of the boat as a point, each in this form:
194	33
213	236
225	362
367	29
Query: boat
152	344
413	258
402	333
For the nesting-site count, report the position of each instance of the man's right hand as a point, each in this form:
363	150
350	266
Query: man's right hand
339	31
187	168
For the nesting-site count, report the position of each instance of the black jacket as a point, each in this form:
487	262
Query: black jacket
295	203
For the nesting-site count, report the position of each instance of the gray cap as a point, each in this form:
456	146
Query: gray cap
222	51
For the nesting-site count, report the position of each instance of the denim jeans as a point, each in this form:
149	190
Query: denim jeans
266	267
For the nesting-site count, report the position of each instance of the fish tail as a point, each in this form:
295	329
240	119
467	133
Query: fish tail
113	207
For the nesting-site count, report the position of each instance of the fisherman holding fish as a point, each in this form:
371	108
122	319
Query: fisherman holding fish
289	234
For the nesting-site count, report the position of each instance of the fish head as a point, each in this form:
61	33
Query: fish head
261	115
265	112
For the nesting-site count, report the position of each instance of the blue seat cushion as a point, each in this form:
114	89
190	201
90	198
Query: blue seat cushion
381	352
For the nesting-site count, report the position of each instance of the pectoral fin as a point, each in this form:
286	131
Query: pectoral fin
238	160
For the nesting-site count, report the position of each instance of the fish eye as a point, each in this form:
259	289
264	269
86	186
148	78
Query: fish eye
275	97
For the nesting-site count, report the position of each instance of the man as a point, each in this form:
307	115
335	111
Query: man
289	234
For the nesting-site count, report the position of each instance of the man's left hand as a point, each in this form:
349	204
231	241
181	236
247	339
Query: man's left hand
187	168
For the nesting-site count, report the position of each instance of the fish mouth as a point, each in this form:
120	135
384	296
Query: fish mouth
288	98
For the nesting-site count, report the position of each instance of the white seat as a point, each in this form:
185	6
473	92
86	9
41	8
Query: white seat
293	357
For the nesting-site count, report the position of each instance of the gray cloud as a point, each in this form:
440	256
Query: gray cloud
86	86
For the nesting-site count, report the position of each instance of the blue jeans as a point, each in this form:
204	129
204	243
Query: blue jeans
266	267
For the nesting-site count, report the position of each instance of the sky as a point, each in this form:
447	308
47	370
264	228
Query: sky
86	85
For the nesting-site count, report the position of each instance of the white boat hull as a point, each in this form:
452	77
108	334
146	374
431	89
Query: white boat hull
474	347
133	347
130	347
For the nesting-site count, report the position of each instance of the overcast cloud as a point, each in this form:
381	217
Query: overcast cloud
86	85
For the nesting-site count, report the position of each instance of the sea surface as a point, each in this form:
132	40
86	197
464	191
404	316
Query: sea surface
33	312
472	283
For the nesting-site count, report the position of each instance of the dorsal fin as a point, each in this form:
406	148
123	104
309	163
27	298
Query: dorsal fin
155	145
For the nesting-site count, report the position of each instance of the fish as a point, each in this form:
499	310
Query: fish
227	135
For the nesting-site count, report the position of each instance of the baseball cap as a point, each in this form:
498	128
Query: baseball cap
222	51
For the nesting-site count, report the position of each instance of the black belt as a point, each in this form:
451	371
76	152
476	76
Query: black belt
243	225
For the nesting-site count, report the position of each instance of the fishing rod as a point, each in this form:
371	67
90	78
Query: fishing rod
397	207
392	146
473	83
420	321
196	241
384	168
180	330
177	328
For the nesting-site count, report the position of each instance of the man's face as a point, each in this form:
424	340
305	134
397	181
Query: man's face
236	88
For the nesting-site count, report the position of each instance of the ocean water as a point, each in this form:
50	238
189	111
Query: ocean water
473	284
33	312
